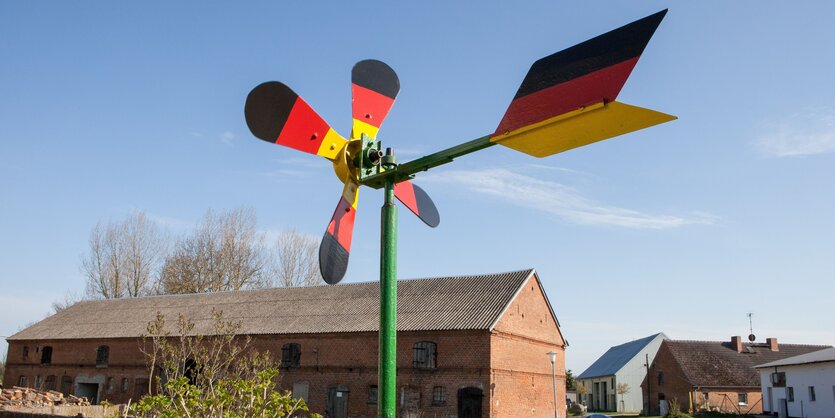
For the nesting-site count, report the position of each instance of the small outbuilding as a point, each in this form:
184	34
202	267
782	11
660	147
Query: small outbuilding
800	386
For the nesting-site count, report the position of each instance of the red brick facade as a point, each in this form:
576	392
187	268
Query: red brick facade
670	382
508	366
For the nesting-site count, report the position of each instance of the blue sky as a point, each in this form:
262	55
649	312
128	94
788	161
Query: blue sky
682	228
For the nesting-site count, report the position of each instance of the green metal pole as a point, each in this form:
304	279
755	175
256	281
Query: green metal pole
387	371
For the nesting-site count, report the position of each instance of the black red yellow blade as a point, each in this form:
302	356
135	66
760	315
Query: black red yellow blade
336	243
276	114
414	198
567	84
374	87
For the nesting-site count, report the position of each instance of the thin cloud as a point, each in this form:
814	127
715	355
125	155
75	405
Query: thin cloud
297	168
810	132
227	138
560	200
171	223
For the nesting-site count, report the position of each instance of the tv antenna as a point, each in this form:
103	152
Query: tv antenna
751	336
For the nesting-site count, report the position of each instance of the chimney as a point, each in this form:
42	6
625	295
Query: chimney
772	344
736	343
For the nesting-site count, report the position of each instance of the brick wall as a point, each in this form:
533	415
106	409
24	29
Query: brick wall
350	361
676	385
671	385
76	360
522	381
347	360
727	400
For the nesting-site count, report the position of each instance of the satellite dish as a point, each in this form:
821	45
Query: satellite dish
752	337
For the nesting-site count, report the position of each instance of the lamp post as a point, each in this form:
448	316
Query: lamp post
553	356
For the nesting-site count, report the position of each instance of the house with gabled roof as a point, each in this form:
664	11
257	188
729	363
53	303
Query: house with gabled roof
468	346
714	375
622	364
800	386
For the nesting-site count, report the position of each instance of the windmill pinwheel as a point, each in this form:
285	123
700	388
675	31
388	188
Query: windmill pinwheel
566	100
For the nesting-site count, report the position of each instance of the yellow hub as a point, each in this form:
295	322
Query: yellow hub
344	165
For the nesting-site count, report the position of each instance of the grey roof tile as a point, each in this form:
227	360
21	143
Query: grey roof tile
443	303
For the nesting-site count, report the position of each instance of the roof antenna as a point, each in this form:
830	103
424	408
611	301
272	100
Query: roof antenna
751	336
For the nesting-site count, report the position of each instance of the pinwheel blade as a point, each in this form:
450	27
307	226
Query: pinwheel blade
572	83
374	87
336	243
414	198
276	114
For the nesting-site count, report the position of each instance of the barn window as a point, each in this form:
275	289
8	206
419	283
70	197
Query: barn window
372	394
38	382
742	398
660	378
291	355
140	387
46	355
425	355
26	352
790	394
812	396
124	384
109	385
301	390
438	395
102	355
21	381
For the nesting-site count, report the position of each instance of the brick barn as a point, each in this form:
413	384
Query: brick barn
470	346
713	375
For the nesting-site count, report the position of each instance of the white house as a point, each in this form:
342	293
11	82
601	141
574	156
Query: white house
625	363
800	386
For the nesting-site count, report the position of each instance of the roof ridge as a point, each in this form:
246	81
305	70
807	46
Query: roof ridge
352	284
746	343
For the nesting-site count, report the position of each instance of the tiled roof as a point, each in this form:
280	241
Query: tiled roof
616	357
822	356
716	363
444	303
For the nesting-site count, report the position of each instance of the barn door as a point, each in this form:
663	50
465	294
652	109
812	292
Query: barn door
338	401
469	402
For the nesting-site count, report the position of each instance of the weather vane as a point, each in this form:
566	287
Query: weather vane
566	100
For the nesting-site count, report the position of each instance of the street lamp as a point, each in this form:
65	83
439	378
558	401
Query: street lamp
553	356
